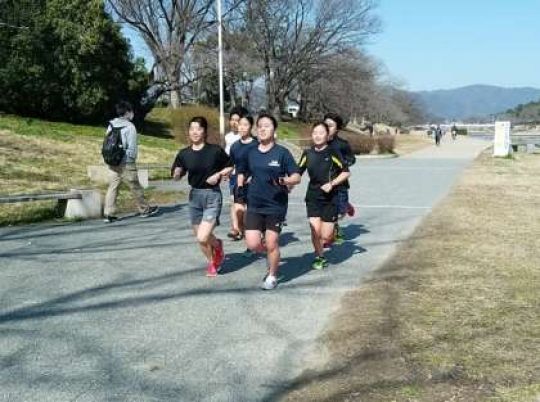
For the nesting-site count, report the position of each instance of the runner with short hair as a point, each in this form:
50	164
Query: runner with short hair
272	168
230	139
206	164
335	124
238	153
327	171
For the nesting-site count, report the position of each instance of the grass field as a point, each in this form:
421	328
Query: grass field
454	314
37	156
407	143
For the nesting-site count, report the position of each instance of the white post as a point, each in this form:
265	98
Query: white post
501	143
220	67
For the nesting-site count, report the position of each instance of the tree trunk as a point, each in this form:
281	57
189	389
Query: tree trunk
175	98
270	93
232	93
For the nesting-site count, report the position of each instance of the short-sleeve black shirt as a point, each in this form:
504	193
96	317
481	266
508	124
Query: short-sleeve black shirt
322	166
201	164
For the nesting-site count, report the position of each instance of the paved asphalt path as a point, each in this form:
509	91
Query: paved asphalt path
123	312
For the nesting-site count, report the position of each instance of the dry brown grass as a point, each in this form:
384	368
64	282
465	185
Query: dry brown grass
41	163
407	143
454	315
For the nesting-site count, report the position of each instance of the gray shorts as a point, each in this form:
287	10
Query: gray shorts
205	205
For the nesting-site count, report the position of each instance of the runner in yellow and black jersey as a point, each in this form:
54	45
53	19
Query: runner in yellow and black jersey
327	170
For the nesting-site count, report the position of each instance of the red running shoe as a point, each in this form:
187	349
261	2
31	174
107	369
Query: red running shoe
218	255
350	210
211	271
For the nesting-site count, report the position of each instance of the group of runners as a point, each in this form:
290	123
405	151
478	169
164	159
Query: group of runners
261	174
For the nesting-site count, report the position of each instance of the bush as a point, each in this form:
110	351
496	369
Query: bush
67	65
360	143
386	144
180	122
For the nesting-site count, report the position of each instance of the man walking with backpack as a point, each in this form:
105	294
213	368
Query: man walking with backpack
120	154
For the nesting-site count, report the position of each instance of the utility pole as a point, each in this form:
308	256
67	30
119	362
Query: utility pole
220	68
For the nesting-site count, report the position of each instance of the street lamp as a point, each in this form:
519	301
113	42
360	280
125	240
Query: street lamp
220	72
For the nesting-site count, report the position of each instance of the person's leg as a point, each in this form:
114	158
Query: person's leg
316	238
115	178
254	231
202	245
327	232
207	240
254	241
234	219
272	252
132	180
342	200
239	211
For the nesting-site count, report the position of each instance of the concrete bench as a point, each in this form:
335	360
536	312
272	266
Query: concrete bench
72	204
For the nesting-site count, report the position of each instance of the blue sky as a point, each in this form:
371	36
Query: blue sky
436	44
445	44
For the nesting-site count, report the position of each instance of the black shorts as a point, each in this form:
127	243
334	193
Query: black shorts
327	211
236	197
262	222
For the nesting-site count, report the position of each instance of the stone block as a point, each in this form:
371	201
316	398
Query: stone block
89	206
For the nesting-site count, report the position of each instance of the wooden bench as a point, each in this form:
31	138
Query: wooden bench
71	204
61	197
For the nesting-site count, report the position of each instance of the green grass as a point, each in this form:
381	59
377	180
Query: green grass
38	156
293	130
67	132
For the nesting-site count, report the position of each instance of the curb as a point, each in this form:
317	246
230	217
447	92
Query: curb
382	156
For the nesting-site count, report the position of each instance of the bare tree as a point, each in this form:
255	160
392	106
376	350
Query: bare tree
291	36
343	82
170	29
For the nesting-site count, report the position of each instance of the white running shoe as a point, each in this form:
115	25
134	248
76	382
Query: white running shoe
270	282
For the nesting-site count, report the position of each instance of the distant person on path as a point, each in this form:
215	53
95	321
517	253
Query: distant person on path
238	154
327	171
126	169
272	168
454	132
206	164
230	138
335	124
438	135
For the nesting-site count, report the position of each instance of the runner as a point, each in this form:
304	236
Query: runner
327	171
206	164
272	169
335	123
238	152
230	138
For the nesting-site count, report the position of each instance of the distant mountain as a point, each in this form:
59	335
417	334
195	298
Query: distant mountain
474	100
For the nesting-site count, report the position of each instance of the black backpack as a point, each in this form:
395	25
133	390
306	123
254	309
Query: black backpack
113	150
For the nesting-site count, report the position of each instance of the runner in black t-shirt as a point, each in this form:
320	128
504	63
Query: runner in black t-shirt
271	168
327	171
238	153
205	165
335	123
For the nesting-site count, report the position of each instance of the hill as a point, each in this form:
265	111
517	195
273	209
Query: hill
523	113
474	100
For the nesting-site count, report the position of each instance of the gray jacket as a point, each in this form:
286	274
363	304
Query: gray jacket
129	138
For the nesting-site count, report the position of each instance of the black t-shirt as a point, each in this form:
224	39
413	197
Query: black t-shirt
265	195
201	164
322	166
239	150
342	146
